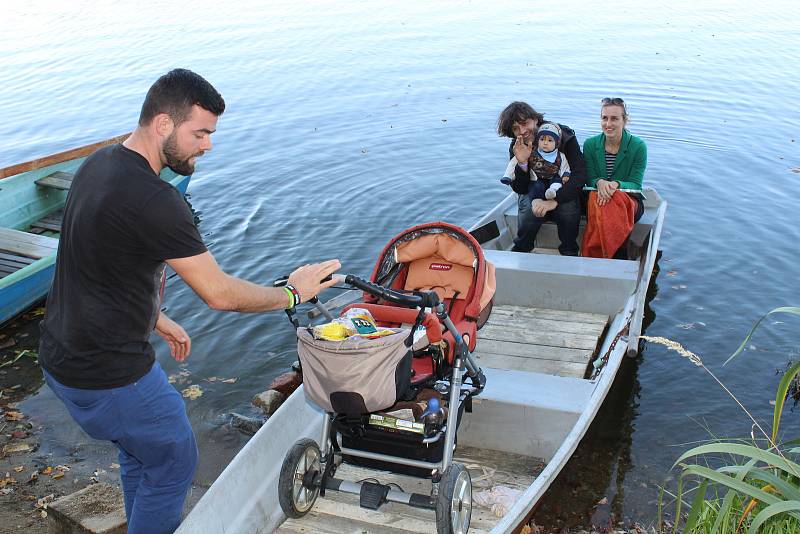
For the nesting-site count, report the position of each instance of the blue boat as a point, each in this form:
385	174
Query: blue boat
32	197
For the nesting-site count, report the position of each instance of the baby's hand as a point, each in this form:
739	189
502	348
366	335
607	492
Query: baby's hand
550	194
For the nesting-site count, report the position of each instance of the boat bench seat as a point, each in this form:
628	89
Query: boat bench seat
26	245
548	232
520	412
594	285
57	180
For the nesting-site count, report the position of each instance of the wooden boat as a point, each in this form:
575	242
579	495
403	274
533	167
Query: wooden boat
32	197
558	332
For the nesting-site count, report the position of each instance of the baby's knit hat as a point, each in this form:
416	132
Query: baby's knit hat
551	129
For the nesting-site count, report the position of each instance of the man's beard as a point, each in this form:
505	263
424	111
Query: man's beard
173	158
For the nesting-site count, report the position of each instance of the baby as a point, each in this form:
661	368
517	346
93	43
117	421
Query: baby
547	166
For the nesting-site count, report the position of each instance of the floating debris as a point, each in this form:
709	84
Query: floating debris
192	392
11	448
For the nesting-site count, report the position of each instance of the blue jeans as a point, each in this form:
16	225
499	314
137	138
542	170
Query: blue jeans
567	217
147	421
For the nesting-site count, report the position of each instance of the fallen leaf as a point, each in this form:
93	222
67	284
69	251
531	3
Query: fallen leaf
19	434
230	380
604	500
58	475
43	514
19	469
16	447
14	416
114	466
212	378
192	392
46	471
44	501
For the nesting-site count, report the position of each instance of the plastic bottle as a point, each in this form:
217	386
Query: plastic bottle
433	417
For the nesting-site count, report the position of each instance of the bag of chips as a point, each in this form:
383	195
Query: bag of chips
356	322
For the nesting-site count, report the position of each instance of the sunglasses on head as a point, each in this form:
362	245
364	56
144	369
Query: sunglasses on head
615	102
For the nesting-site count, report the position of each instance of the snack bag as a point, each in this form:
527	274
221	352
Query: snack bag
355	322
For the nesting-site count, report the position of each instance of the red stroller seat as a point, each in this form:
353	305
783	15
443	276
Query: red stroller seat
446	259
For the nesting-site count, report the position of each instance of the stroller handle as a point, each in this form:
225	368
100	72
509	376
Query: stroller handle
417	299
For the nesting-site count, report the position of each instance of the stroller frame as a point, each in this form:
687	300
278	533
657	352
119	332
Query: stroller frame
309	470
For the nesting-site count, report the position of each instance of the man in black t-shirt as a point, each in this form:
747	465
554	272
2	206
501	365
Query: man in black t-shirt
122	223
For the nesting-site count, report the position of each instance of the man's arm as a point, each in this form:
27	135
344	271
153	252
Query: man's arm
221	291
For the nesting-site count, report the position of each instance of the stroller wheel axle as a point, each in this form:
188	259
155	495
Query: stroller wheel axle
373	494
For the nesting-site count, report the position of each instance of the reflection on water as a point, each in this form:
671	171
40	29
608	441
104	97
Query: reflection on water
591	488
344	128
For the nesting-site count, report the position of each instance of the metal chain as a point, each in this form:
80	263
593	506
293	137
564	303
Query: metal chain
604	359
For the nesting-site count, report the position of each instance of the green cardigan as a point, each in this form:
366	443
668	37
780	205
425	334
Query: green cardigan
629	166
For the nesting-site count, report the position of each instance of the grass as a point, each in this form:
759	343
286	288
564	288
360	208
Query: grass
738	486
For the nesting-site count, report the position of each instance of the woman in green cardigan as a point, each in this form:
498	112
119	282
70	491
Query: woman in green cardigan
615	159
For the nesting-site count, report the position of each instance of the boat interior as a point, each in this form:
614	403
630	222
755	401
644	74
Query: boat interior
549	323
30	225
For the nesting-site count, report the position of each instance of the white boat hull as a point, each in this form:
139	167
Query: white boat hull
537	407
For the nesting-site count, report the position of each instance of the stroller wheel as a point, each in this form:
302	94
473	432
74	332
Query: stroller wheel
297	487
454	504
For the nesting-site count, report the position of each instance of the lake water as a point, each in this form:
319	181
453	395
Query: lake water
349	122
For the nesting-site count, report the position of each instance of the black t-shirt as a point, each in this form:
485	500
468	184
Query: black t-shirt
121	221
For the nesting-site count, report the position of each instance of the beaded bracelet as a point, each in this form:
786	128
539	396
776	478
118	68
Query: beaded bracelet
294	295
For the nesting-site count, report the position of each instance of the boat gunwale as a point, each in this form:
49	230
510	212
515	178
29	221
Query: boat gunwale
59	157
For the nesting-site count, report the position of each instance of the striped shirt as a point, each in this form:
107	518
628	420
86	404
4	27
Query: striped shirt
610	159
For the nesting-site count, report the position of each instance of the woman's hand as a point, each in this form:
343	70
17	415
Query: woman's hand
180	344
605	190
522	151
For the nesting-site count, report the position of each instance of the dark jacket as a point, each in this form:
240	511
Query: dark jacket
572	149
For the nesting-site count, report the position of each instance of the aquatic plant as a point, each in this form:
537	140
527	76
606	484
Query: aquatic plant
759	487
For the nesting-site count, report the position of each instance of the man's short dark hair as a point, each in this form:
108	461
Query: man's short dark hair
176	92
516	112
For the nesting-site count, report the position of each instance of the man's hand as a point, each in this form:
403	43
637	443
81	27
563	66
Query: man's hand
541	207
605	190
522	151
307	278
180	344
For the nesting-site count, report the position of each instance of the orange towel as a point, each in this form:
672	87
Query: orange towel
607	227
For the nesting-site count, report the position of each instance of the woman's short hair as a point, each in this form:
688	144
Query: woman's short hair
516	112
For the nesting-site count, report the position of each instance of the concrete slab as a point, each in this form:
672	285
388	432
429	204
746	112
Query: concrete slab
96	509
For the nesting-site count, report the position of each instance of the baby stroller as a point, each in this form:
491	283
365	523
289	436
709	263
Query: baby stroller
433	283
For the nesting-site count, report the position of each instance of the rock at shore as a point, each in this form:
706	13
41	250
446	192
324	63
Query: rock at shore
269	401
96	509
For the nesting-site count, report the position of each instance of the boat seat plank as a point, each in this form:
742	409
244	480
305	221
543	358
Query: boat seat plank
339	512
26	244
57	180
15	258
543	313
50	222
554	342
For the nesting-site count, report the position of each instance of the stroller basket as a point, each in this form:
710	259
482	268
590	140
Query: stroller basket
355	376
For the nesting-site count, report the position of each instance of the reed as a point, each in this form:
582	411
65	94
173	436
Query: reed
757	487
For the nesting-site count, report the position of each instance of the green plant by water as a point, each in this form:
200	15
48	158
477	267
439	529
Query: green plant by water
757	490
